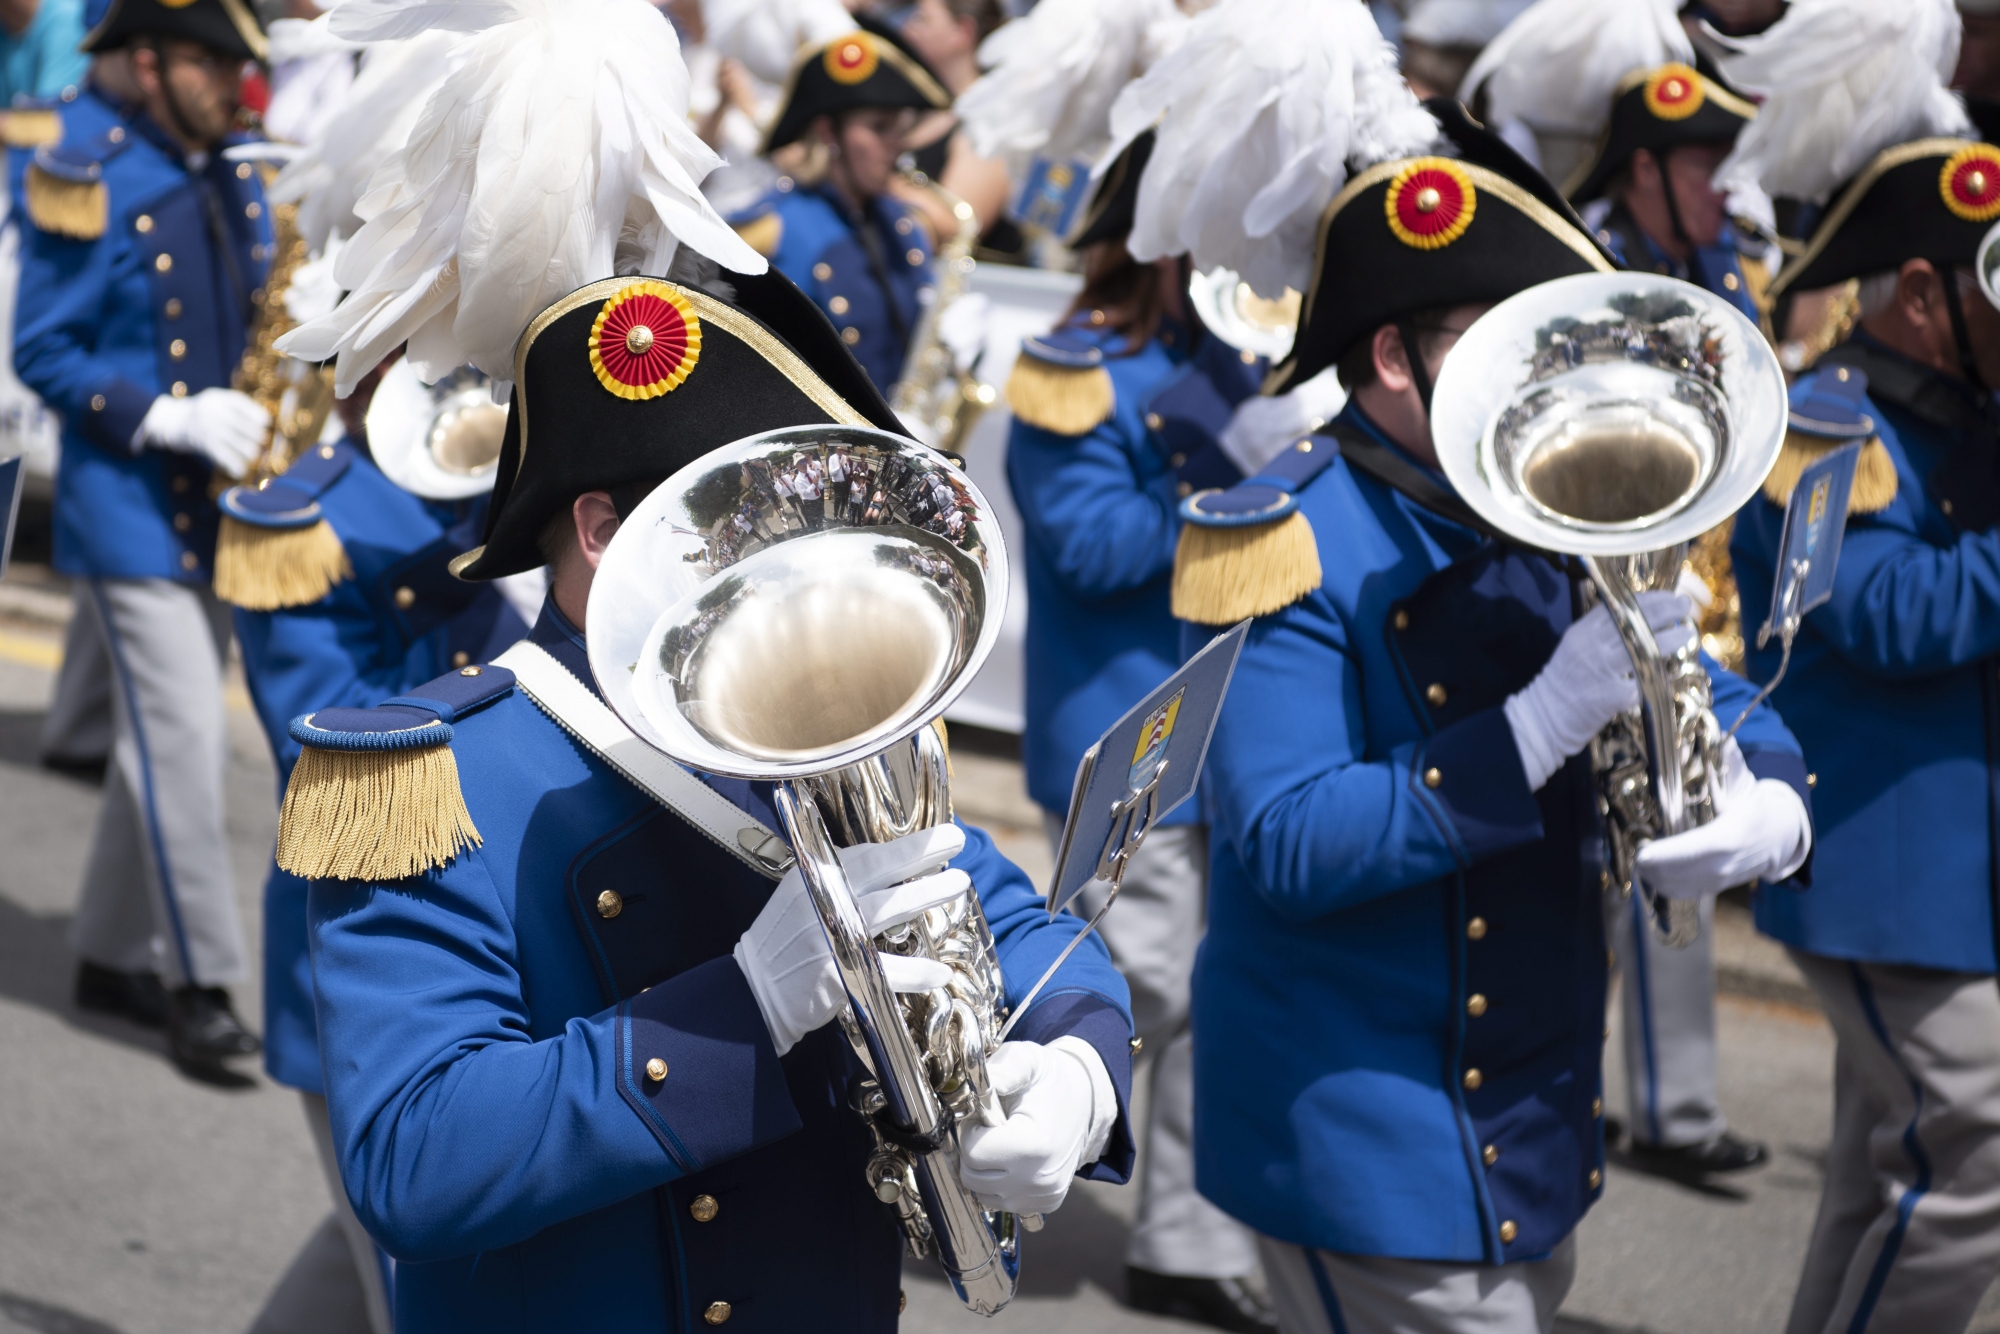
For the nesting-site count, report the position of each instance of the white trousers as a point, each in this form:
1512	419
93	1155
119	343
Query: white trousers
340	1283
79	723
156	890
1326	1292
1152	932
1667	997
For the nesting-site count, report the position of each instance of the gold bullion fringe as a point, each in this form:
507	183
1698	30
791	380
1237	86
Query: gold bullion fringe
1067	400
78	209
267	569
1874	474
1222	575
373	815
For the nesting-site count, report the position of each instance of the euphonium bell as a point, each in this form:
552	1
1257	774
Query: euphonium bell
439	441
801	606
1616	417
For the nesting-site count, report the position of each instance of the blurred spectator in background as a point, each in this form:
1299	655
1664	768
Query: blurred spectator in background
39	54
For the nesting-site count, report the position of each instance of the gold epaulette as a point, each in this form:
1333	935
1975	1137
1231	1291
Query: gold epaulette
1874	475
375	806
31	127
79	209
269	569
1068	400
1223	575
763	234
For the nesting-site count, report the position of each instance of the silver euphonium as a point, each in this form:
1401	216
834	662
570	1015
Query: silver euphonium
1616	417
439	441
801	606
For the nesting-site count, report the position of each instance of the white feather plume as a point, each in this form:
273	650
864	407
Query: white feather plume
302	39
1052	75
1842	80
557	154
1556	68
767	35
375	119
1260	113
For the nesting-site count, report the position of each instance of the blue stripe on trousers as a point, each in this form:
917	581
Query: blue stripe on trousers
124	675
1324	1283
1642	986
1879	1277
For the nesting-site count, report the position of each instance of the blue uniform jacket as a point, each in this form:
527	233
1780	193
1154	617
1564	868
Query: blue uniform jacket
870	274
1892	690
80	118
155	305
1102	517
353	649
1720	265
1378	860
487	1028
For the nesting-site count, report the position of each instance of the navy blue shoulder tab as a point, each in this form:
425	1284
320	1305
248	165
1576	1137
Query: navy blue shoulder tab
415	721
291	500
459	693
1071	349
83	161
1271	494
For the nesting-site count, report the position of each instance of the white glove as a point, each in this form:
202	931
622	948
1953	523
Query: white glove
784	954
222	425
1060	1109
1262	428
1760	832
1588	681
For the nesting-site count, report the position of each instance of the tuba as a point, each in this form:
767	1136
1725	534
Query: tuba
1615	417
800	607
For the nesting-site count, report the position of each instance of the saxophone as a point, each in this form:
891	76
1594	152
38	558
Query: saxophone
297	394
934	398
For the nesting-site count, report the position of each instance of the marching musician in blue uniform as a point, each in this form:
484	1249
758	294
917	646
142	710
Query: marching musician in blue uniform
1892	689
575	1017
1650	194
1399	1007
343	598
1116	416
141	272
860	253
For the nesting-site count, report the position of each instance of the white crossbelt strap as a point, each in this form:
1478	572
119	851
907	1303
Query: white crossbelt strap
557	692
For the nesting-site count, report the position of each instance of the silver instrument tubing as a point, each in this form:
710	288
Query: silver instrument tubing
1616	417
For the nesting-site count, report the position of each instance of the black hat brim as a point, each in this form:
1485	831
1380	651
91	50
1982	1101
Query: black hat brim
898	82
1522	232
1718	120
228	26
1115	202
1892	212
566	434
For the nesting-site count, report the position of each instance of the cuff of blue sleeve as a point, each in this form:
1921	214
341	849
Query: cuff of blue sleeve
112	416
1109	1032
722	1091
1208	469
1471	774
1790	770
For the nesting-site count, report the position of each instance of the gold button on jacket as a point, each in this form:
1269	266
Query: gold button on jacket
1433	778
1508	1232
1473	1079
1476	929
703	1208
656	1069
1434	693
406	597
610	903
716	1313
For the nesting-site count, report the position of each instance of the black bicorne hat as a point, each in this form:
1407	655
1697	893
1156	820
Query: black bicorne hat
1423	232
1930	199
854	71
1109	217
1669	106
228	26
630	379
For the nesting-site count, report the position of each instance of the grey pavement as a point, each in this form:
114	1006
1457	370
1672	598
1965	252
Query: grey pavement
136	1201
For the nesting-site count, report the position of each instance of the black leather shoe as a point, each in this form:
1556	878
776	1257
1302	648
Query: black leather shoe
89	768
202	1028
1223	1303
135	996
1714	1157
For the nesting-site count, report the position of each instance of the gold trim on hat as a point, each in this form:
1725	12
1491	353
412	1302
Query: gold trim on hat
884	49
1488	181
714	314
1850	199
